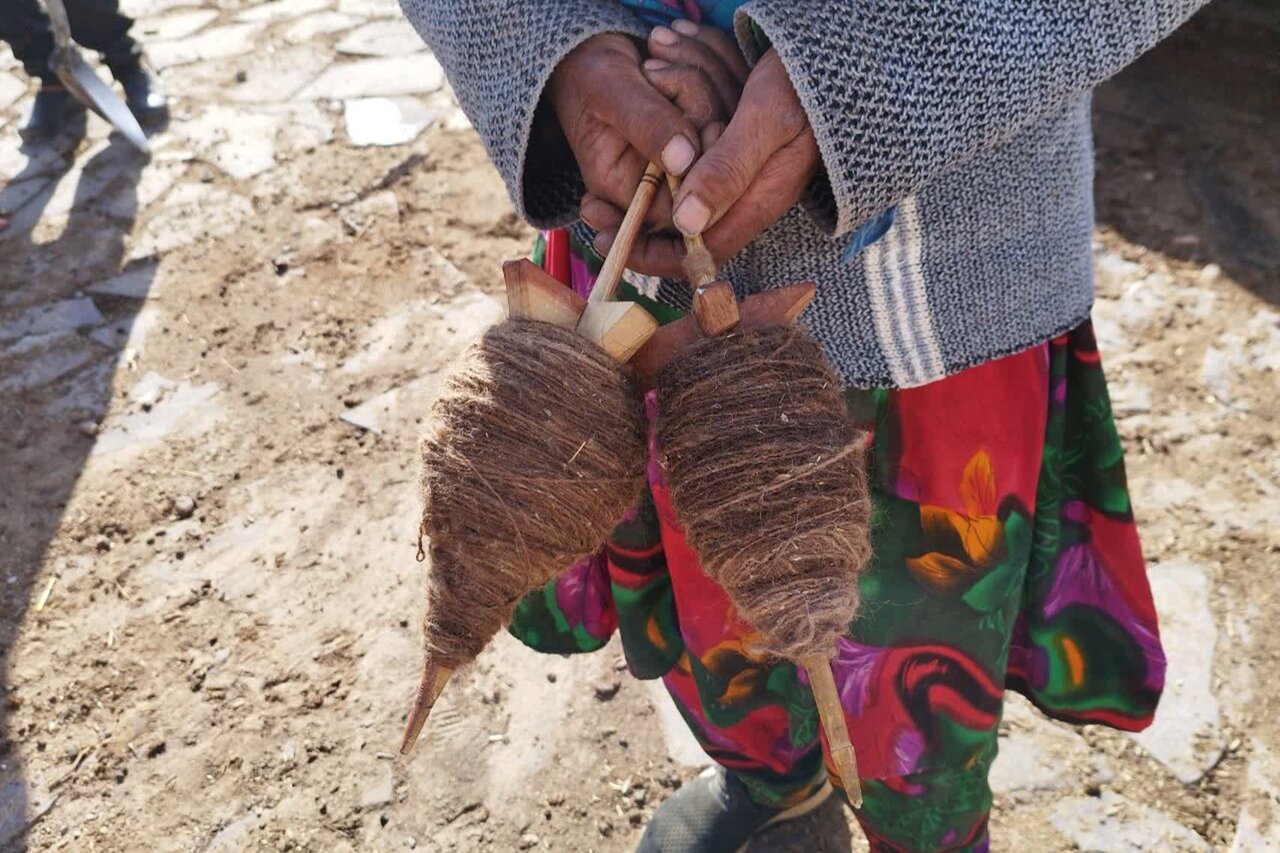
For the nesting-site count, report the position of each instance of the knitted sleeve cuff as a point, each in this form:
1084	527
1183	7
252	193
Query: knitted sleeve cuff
499	55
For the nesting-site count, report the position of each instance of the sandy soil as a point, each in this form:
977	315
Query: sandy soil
209	604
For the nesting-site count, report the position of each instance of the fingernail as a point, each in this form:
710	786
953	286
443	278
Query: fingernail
688	28
656	64
691	216
664	36
602	242
678	155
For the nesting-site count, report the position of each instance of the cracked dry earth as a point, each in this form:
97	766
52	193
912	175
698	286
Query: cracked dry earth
213	366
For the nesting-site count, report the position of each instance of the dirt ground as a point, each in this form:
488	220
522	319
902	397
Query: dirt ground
213	369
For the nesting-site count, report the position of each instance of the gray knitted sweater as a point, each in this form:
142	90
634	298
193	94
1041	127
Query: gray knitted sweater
971	116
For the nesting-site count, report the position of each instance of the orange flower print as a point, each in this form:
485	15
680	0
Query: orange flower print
963	545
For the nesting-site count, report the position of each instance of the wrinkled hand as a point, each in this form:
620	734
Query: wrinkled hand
747	179
616	120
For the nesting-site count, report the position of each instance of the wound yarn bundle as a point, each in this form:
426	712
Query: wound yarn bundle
536	449
767	473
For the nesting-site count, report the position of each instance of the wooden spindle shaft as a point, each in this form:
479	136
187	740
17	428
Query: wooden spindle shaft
831	712
620	252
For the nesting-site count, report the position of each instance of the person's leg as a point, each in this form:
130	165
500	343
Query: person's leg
954	471
938	812
100	25
754	717
24	26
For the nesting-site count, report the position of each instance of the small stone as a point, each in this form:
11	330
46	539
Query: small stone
1210	274
410	842
528	840
551	676
88	427
101	544
638	796
380	793
604	827
1186	735
384	76
184	506
382	38
606	688
386	121
67	315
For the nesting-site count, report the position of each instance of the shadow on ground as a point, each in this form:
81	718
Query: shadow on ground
58	352
1188	163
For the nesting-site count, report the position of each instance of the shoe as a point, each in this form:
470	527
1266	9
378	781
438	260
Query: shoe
713	813
143	94
53	108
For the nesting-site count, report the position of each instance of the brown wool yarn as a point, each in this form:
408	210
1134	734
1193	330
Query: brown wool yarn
767	473
537	448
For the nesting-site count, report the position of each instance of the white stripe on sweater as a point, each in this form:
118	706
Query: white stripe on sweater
925	337
902	300
881	308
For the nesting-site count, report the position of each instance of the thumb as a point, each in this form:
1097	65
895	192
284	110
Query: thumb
764	122
654	126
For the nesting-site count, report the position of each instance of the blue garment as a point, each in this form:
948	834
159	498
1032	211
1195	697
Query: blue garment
718	12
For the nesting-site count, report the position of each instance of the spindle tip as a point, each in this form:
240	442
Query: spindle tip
434	678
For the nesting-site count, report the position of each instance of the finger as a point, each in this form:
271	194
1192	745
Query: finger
604	215
720	42
711	134
612	168
690	89
642	115
658	253
670	46
768	118
775	191
600	214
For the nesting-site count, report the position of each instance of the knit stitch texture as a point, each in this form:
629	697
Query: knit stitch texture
971	115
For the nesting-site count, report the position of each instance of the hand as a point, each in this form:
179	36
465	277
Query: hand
703	73
749	178
616	121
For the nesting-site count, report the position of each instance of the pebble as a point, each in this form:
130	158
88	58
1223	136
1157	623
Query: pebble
604	827
184	506
528	840
88	427
1210	274
606	688
379	793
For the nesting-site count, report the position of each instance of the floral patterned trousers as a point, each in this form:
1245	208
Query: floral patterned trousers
1006	557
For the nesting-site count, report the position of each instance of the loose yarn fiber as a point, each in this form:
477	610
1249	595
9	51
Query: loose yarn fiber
536	451
767	473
